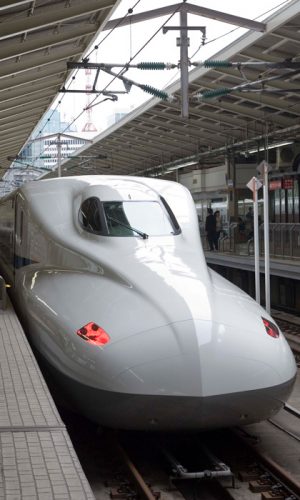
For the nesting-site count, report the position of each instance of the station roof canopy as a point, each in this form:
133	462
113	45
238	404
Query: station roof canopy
231	108
37	38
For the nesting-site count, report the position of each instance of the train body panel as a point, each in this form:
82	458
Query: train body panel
125	254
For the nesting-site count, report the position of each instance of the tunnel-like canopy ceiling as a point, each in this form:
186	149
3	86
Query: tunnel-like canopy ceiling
37	38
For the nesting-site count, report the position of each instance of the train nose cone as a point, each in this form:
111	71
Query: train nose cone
164	360
203	374
205	358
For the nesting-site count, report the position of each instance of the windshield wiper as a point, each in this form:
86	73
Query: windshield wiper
140	233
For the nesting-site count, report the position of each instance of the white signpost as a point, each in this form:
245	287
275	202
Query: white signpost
254	184
264	168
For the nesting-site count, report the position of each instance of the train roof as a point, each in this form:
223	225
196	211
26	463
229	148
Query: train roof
106	186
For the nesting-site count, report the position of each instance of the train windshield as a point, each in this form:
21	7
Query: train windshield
129	218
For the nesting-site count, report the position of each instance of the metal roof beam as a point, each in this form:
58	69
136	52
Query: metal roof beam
47	15
24	108
142	153
163	139
254	114
169	134
151	136
272	102
21	134
17	124
74	168
24	99
196	124
38	60
181	129
188	130
210	127
224	149
21	80
253	76
219	117
44	40
128	156
139	151
223	17
258	54
6	148
284	33
143	16
17	142
15	93
17	137
8	4
191	9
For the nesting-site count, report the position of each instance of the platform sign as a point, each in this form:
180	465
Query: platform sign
264	168
287	183
275	184
254	184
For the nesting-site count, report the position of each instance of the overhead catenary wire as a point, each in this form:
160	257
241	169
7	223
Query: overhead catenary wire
93	102
130	10
223	91
213	63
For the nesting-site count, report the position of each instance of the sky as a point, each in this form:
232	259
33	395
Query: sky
151	45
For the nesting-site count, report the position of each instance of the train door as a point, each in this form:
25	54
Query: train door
21	235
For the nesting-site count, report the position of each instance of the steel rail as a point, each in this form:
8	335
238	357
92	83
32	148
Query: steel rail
143	488
273	467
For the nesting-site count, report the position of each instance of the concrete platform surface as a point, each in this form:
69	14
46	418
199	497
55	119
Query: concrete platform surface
37	459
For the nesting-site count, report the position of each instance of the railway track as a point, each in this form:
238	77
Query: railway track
144	471
283	427
290	326
265	475
129	465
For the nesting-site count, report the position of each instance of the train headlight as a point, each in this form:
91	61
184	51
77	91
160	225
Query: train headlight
93	334
271	328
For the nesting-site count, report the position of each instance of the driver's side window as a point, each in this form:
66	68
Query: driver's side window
89	215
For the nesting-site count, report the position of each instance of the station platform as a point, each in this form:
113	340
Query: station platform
37	459
285	268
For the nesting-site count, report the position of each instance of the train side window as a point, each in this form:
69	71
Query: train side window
90	216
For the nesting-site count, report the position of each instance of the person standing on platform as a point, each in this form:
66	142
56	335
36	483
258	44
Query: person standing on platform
210	228
218	219
249	223
249	214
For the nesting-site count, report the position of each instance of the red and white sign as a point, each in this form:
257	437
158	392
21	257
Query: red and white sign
254	184
275	184
287	183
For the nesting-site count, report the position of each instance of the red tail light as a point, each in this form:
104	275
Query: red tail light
271	328
94	334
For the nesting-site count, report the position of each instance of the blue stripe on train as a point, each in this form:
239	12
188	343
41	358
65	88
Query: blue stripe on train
22	261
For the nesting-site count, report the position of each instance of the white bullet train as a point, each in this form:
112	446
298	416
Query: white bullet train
110	278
